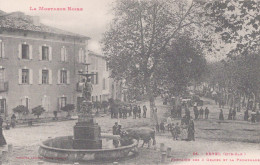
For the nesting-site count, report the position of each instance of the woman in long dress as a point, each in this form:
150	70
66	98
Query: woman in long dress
184	132
2	138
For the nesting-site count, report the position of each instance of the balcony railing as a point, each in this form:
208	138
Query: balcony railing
4	86
79	86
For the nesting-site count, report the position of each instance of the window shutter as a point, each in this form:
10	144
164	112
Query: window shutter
20	76
65	54
40	76
20	51
61	54
31	76
50	76
48	104
40	53
68	77
30	52
3	50
58	77
50	53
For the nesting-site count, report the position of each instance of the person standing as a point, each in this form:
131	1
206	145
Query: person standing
162	128
206	113
139	112
177	131
230	114
144	111
120	112
234	114
179	111
246	116
130	110
201	113
135	111
124	112
191	131
196	112
221	116
2	138
13	120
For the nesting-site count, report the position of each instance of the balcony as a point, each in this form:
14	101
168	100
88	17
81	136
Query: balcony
79	87
4	86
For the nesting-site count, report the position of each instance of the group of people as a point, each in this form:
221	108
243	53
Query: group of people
183	131
255	116
128	110
199	113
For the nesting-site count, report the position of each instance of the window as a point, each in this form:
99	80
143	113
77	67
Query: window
63	102
81	56
64	57
25	101
63	77
92	78
2	49
25	51
46	102
45	53
104	84
25	76
45	77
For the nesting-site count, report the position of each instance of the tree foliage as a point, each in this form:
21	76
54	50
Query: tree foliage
21	109
140	36
237	22
38	111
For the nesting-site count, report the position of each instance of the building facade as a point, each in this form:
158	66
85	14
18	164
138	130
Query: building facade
39	65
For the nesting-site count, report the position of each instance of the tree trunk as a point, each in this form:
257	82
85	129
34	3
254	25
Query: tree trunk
153	109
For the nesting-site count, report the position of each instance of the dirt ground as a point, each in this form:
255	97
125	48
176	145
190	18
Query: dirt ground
215	142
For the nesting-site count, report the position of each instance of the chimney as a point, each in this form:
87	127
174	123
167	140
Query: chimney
36	20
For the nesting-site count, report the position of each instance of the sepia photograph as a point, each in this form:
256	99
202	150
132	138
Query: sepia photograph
115	82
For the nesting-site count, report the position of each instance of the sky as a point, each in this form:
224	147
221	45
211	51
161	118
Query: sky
92	21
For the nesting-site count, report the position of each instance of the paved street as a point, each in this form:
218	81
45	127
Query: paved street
211	136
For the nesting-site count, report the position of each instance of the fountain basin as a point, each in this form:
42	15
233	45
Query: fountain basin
60	149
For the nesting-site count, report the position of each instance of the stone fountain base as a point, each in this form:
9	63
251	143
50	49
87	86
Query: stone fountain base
87	136
60	149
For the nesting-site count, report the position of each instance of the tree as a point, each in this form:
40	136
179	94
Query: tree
68	108
21	110
38	111
237	22
139	36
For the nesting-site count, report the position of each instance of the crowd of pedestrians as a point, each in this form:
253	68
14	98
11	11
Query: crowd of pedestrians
128	110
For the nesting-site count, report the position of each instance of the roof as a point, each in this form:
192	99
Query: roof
20	21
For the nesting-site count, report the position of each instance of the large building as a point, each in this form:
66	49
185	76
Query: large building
39	65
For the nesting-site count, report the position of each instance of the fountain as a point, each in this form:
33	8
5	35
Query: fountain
87	144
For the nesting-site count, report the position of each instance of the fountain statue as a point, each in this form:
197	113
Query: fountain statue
87	132
86	143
